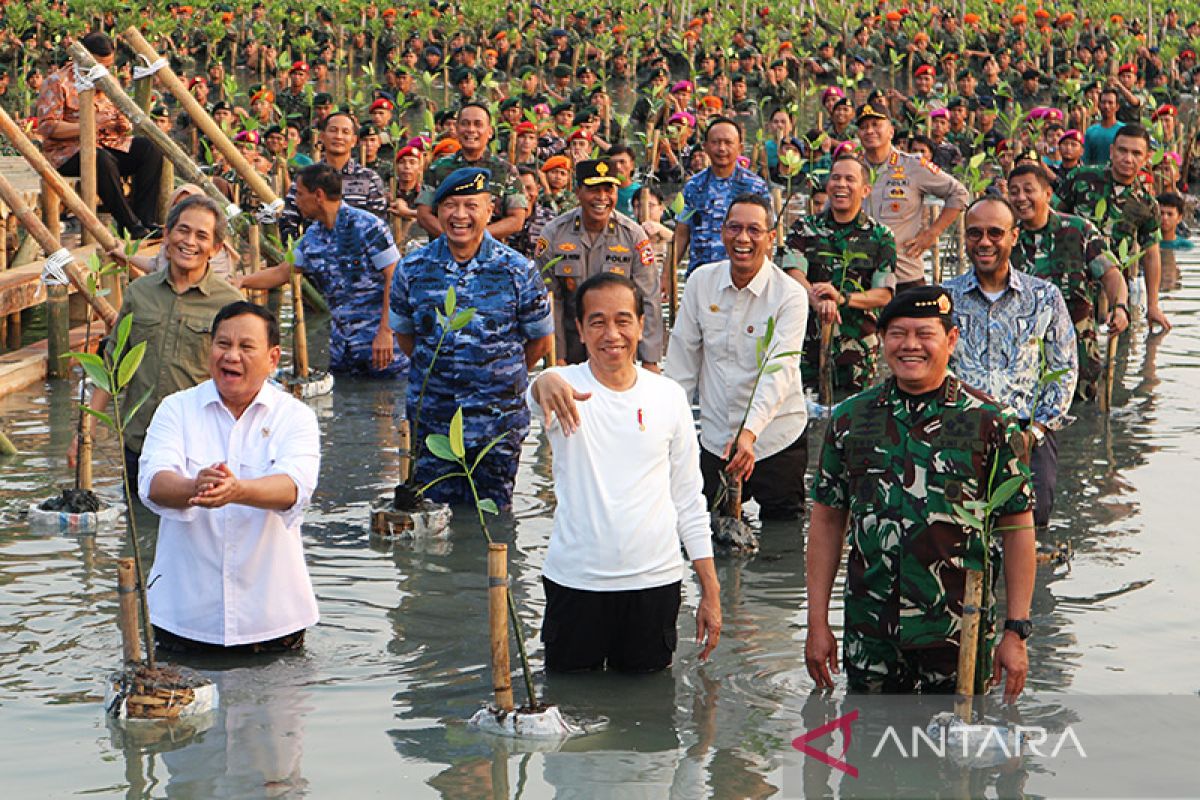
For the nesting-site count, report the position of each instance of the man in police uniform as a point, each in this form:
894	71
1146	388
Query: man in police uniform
473	130
902	181
482	367
896	460
591	239
847	262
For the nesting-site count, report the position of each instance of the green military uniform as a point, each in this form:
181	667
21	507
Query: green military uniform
899	464
295	106
1070	253
1122	213
623	248
817	246
504	183
560	203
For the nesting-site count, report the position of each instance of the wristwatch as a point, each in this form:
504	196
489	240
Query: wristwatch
1123	307
1021	627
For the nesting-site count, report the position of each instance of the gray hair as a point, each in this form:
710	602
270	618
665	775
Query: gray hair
203	202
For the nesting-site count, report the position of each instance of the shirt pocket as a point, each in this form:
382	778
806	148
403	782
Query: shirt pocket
194	346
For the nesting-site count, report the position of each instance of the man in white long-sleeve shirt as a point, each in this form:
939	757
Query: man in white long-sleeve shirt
627	480
229	466
713	347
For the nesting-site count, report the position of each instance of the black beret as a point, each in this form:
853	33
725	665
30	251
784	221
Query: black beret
920	302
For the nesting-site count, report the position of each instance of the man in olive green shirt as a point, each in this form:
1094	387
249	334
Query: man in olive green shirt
172	310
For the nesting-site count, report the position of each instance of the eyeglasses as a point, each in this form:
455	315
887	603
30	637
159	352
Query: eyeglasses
753	231
995	234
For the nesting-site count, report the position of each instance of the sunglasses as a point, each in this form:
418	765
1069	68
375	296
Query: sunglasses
995	234
753	231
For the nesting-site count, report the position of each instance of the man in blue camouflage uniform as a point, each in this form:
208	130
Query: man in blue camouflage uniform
361	186
349	255
709	193
483	366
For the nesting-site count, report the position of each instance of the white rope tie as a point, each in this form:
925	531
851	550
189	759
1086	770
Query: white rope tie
269	214
140	72
86	81
54	270
231	211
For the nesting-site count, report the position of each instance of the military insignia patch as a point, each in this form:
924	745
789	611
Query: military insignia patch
540	246
645	252
566	247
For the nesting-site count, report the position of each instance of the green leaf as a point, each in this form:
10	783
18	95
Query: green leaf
485	450
771	369
456	436
439	445
1006	490
489	505
462	319
93	365
451	302
123	329
100	415
967	518
136	406
129	364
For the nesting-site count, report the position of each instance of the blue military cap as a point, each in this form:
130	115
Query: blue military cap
467	180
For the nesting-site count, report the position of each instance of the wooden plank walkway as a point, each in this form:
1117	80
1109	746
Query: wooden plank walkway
27	366
22	287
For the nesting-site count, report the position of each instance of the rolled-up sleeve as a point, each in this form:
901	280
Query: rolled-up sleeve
533	303
299	457
163	451
400	308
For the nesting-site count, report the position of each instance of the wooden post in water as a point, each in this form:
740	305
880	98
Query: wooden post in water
299	331
7	448
968	643
733	498
405	450
58	311
497	561
127	619
84	456
166	185
87	157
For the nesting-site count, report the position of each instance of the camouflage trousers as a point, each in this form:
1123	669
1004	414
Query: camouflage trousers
494	476
1091	360
880	666
854	363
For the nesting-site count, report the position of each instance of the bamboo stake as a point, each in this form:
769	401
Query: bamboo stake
80	208
48	243
201	118
1110	372
825	368
7	448
405	450
968	644
733	498
87	155
299	331
127	620
497	561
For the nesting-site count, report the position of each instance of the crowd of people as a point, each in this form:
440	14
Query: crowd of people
784	177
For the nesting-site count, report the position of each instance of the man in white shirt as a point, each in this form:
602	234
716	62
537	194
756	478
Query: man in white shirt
713	347
229	466
628	485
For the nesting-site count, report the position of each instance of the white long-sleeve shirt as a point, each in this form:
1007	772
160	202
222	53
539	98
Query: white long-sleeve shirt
231	575
628	486
713	347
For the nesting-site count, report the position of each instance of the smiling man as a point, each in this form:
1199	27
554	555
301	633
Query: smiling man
847	263
724	311
628	490
229	467
595	238
482	367
172	312
896	459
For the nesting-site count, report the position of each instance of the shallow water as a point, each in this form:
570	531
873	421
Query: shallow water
375	705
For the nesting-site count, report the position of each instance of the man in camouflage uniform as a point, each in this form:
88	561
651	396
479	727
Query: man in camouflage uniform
591	239
482	366
896	460
846	260
295	101
1119	200
473	129
349	255
1069	252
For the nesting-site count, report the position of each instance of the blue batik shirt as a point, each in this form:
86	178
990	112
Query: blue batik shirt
345	265
1000	345
481	367
706	199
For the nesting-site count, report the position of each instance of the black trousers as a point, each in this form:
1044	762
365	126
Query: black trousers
777	482
144	163
1044	465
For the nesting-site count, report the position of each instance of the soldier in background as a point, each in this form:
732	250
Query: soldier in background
896	459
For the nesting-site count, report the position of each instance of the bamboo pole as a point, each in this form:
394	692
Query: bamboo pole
7	448
405	450
78	206
968	644
1110	372
200	117
127	620
299	331
825	367
497	562
39	233
84	457
733	498
87	157
166	185
937	252
58	313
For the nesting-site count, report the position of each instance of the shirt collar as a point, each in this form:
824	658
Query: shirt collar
205	285
267	397
757	284
1016	280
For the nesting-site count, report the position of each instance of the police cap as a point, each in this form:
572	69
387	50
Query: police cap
596	172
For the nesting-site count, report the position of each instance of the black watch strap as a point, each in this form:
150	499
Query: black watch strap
1021	627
